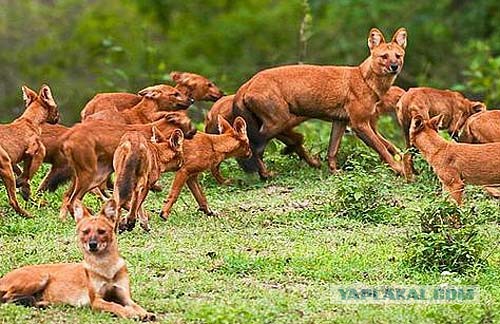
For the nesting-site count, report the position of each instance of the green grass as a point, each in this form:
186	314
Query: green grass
275	250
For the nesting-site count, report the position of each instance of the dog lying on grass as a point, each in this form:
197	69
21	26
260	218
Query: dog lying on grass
455	163
454	108
206	152
100	281
20	141
138	164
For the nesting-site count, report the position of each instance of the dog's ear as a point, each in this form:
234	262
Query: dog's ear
28	95
417	123
109	210
46	96
181	77
478	106
375	38
223	125
150	93
79	212
399	37
176	139
240	126
435	122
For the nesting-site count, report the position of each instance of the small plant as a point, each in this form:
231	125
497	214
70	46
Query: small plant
447	240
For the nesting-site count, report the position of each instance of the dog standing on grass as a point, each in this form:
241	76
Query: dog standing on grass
455	163
20	141
100	281
138	164
454	108
206	152
278	99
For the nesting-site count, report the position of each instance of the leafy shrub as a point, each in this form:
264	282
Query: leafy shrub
447	240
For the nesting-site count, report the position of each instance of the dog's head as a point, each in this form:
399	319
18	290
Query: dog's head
96	234
168	98
181	120
387	58
172	153
42	103
463	110
238	132
196	86
419	126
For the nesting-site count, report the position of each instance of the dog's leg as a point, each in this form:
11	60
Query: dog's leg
121	311
390	147
124	298
295	142
338	129
179	181
7	175
31	164
198	194
367	135
218	176
22	285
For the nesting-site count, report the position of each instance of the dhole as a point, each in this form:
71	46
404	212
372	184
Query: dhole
138	164
89	149
277	99
483	127
20	141
100	281
429	102
206	152
455	163
192	85
154	101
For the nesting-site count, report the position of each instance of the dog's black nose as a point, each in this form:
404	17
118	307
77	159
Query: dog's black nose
93	245
394	67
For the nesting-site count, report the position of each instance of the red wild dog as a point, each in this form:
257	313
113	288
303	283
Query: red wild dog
100	281
483	127
155	101
455	163
89	149
274	100
429	102
206	152
20	141
192	85
138	164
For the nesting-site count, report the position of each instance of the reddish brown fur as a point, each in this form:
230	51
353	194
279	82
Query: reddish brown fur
455	163
100	281
90	152
276	100
154	101
138	164
193	85
483	127
206	152
429	102
20	141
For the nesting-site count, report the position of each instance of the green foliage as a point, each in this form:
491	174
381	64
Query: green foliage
448	239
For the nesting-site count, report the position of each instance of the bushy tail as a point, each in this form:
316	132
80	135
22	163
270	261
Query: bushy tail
253	125
126	178
58	178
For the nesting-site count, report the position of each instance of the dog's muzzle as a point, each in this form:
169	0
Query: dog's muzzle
93	245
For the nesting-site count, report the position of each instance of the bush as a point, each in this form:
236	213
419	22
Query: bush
447	240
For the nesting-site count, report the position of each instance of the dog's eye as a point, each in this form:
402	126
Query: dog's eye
398	56
100	231
385	56
210	84
85	231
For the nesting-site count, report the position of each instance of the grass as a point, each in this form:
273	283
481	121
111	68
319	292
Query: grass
275	250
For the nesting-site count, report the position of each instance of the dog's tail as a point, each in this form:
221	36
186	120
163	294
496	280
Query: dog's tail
253	125
126	176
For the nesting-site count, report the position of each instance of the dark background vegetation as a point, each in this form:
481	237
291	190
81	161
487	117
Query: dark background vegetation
83	47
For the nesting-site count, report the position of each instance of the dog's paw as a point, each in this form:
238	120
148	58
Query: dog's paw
148	317
164	215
